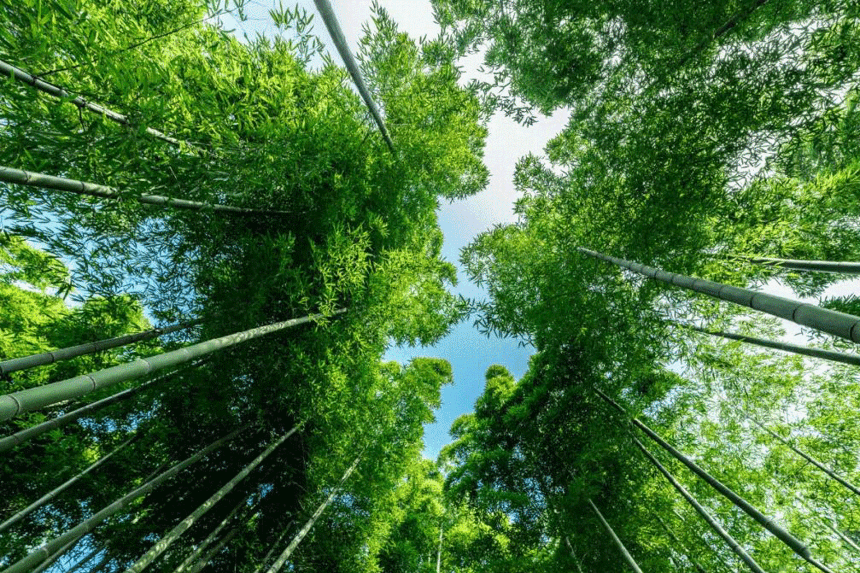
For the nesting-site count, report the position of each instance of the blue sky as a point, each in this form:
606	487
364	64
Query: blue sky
469	352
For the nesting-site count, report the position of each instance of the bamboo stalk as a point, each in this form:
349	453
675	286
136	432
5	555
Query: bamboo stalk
851	487
837	323
34	398
767	522
279	562
166	541
53	558
852	359
271	550
9	442
33	360
192	558
9	70
845	539
730	541
847	268
202	562
573	554
20	177
680	544
60	488
331	23
45	551
84	560
627	557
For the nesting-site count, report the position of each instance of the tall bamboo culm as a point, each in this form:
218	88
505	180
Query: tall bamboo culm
627	557
845	268
837	323
34	398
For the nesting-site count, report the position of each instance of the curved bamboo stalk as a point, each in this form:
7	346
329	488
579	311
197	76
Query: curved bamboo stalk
730	541
328	16
59	489
767	522
279	562
34	398
847	268
833	356
837	323
166	541
16	364
21	177
9	70
848	485
627	557
9	442
192	558
45	551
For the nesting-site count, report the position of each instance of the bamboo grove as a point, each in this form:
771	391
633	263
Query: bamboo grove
207	245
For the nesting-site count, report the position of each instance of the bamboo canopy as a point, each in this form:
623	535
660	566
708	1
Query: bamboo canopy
20	177
627	557
838	323
767	522
48	549
730	541
9	70
832	355
15	364
166	541
34	398
331	23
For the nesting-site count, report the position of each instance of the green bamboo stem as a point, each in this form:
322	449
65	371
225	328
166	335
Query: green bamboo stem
34	398
846	268
680	544
166	541
767	522
192	558
20	177
730	541
265	560
833	475
627	557
845	539
9	70
837	323
202	562
573	554
331	23
33	360
59	489
9	442
84	560
279	562
53	558
45	551
833	356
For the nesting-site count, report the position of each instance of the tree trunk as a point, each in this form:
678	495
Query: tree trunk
847	268
19	177
853	359
192	518
851	487
279	562
735	546
25	362
58	490
624	552
9	70
768	523
191	559
34	398
46	550
837	323
330	20
9	442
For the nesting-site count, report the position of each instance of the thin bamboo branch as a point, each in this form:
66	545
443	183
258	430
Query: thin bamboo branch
627	557
847	268
837	323
331	23
34	398
9	442
833	356
279	562
45	551
33	360
9	70
767	522
730	541
60	488
20	177
848	485
166	541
